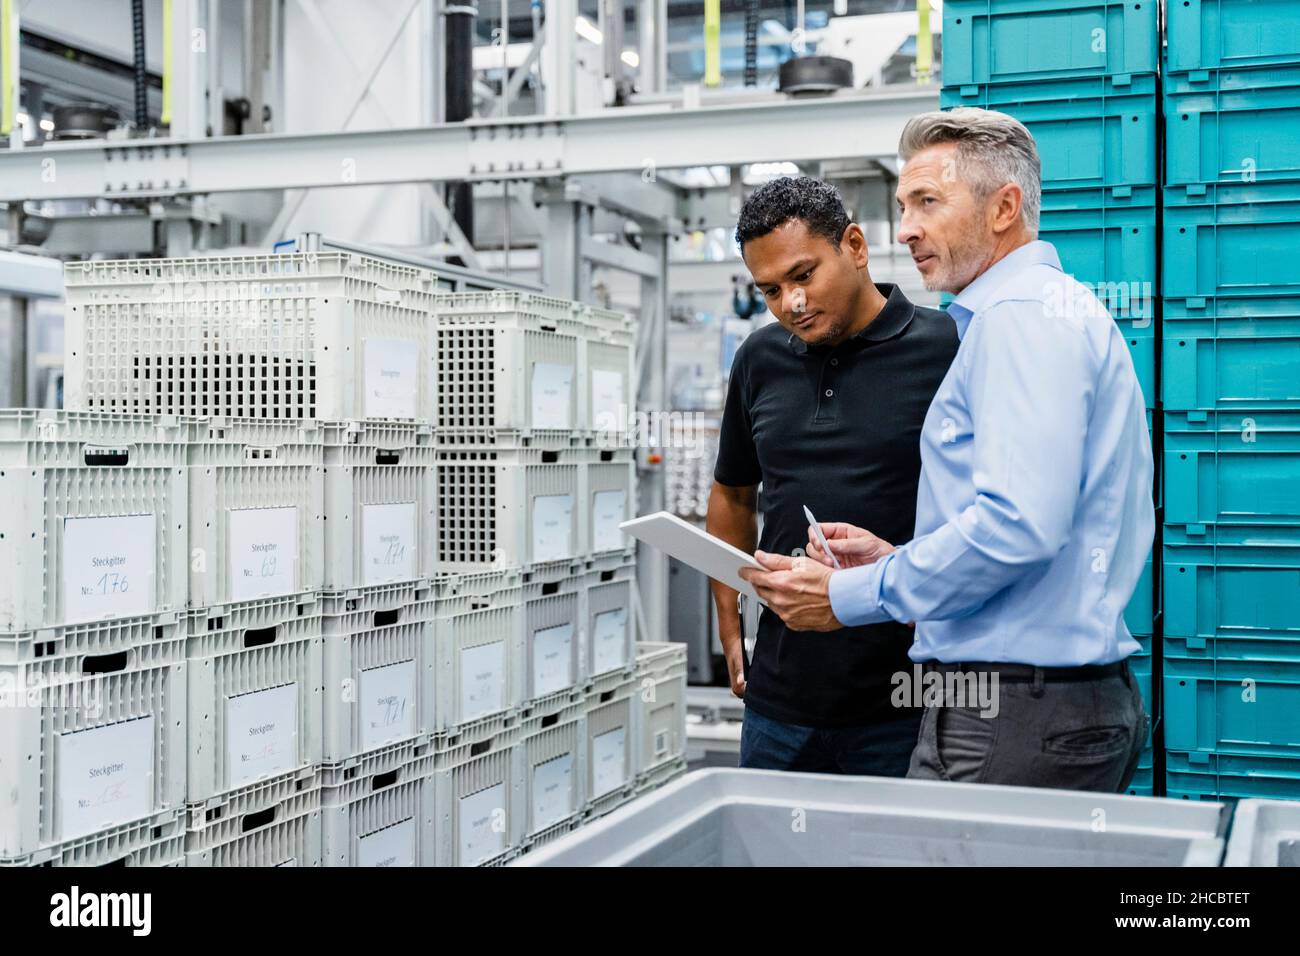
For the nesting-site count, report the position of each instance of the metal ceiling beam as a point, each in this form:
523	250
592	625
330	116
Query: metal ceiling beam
836	127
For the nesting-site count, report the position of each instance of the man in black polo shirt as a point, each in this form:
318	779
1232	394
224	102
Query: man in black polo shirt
824	409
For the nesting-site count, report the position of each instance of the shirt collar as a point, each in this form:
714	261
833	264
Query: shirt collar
979	293
894	316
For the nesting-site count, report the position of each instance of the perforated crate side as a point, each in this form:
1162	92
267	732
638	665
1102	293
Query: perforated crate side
382	817
155	841
380	504
383	673
273	823
103	679
554	756
447	585
250	483
484	651
553	659
489	379
121	478
502	304
480	807
272	648
660	774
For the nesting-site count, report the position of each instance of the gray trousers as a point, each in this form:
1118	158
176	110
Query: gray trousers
1069	735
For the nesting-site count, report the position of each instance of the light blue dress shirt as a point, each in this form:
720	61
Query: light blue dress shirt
1034	515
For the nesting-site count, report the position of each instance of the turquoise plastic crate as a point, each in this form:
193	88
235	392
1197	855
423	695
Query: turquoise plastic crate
1231	579
1139	616
1232	466
1208	34
1247	707
1236	644
1231	352
1235	239
1211	776
1232	126
1107	238
1092	132
993	41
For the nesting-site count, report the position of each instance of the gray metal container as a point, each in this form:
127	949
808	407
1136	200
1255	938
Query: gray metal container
722	817
1264	833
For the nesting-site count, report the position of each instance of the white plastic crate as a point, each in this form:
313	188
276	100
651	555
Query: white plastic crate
609	496
611	749
322	335
273	823
256	675
608	391
93	737
257	509
380	504
480	801
379	811
609	629
554	758
382	668
480	641
553	641
94	523
510	508
661	710
157	841
508	373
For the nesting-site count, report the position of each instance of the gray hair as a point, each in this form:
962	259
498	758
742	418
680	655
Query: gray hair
993	149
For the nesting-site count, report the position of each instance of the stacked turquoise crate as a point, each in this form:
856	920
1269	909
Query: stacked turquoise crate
1231	392
1082	76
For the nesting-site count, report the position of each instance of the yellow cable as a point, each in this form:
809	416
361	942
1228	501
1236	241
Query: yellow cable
924	42
712	42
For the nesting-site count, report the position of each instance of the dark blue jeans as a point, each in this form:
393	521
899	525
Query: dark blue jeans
877	750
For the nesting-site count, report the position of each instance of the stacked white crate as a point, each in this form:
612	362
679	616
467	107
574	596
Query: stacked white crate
314	387
92	638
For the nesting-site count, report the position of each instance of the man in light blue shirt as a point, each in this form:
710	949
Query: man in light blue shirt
1034	514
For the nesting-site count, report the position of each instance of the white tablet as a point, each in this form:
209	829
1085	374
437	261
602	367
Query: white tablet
690	545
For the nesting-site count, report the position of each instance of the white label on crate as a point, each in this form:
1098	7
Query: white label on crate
552	391
552	659
609	640
607	509
482	825
608	412
608	761
263	552
392	378
105	776
387	543
262	733
482	680
552	527
552	791
387	704
108	567
391	846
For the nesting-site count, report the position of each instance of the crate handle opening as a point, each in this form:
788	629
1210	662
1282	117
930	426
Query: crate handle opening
385	618
548	328
104	663
260	636
255	821
482	747
550	587
257	453
387	457
101	456
550	457
381	780
550	720
387	296
606	456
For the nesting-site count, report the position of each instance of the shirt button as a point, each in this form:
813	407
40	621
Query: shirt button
830	392
835	361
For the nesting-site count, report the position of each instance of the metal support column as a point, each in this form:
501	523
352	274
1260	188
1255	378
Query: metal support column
652	396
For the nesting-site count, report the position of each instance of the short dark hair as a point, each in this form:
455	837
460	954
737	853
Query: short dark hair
817	204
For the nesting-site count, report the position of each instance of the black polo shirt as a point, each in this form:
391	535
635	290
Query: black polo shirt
837	429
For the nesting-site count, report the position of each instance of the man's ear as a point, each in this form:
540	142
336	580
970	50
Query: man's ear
854	244
1006	207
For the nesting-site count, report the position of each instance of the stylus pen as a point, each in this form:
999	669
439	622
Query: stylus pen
821	538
